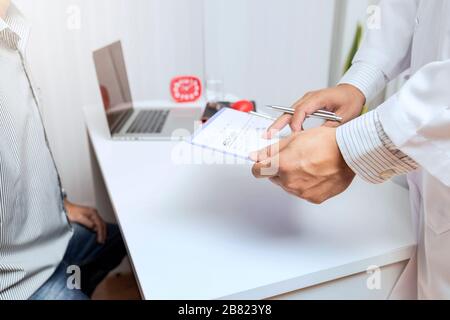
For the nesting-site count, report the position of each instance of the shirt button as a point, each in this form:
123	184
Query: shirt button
417	20
385	175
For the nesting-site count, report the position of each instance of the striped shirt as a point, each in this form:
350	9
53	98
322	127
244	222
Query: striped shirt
34	230
365	146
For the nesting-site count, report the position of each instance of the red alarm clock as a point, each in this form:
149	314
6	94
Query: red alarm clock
186	89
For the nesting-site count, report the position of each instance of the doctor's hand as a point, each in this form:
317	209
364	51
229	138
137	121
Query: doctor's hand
345	100
4	5
308	165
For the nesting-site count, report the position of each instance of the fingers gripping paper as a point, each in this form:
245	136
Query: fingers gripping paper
235	133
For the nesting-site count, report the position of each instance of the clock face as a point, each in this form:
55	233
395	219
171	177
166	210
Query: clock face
186	89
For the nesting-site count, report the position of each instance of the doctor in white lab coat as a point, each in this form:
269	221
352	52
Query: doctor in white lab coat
410	133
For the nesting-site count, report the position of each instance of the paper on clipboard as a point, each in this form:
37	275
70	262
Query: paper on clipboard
235	133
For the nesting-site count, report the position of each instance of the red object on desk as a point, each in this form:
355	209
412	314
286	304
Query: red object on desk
105	97
186	89
244	106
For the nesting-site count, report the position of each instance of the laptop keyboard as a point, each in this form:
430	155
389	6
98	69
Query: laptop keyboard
118	119
149	122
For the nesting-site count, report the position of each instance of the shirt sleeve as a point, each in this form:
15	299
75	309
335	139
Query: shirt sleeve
369	79
369	151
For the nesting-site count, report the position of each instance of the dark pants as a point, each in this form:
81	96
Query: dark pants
93	260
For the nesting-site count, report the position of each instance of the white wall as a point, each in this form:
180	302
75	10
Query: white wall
347	16
269	50
162	38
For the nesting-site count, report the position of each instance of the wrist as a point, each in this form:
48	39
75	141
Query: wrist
342	163
354	92
368	78
4	5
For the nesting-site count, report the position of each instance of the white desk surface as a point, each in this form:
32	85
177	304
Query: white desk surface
213	231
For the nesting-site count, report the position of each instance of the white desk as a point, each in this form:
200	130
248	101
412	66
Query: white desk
213	231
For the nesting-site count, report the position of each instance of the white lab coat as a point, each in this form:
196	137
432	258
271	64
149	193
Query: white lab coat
415	35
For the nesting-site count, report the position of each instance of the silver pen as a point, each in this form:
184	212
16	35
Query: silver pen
265	116
320	114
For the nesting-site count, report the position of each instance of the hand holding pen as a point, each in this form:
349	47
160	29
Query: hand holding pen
342	103
319	114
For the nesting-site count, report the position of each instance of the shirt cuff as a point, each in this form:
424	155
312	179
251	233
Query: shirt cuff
367	78
369	152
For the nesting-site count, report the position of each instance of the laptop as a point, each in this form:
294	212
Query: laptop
127	122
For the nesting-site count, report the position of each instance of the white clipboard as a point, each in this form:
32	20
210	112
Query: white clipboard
234	133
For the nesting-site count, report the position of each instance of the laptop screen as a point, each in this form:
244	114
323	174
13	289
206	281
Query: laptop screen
114	86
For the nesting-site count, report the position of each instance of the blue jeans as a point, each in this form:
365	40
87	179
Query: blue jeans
94	261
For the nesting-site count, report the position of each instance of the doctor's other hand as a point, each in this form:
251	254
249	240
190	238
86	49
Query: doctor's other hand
87	217
308	165
345	100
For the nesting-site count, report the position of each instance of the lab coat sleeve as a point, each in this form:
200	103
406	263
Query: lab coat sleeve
417	119
369	152
386	48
